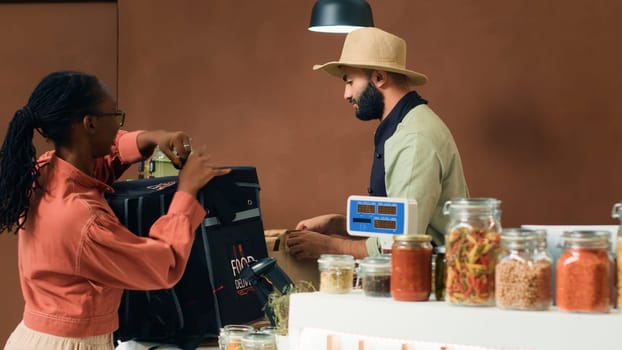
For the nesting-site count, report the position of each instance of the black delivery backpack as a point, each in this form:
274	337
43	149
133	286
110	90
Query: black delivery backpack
211	292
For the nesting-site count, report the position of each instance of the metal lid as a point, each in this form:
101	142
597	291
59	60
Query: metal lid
376	262
586	238
412	238
460	204
336	260
258	339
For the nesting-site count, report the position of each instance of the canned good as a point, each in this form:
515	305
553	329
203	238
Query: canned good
411	267
336	273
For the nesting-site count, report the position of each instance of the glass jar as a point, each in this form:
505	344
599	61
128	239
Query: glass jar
521	281
376	276
543	259
230	337
583	272
616	213
411	267
472	245
259	341
439	273
336	273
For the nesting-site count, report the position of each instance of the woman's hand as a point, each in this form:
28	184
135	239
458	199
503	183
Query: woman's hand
176	145
198	171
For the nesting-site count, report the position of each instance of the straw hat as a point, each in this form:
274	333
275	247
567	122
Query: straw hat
373	48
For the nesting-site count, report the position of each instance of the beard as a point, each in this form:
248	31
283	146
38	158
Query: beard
370	103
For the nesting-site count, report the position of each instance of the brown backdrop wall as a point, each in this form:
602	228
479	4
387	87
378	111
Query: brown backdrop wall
529	89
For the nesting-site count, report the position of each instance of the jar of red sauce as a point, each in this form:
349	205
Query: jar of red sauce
411	267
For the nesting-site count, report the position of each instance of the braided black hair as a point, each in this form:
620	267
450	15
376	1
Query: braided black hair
61	99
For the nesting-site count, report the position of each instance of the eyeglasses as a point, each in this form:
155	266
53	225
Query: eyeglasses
119	116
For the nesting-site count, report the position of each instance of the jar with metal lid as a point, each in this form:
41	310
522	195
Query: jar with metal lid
439	273
336	273
230	337
411	267
616	213
472	245
375	274
584	272
259	341
523	278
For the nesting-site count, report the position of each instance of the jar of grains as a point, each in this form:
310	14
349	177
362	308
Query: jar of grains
522	278
583	272
615	212
336	273
375	274
411	267
472	244
259	341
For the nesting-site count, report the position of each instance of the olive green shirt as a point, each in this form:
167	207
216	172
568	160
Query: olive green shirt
422	162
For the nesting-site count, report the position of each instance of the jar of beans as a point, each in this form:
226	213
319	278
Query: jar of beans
472	245
411	267
584	274
375	272
523	275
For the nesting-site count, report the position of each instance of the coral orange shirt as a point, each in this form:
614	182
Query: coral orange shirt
75	257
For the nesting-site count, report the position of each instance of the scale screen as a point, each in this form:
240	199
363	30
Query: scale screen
380	216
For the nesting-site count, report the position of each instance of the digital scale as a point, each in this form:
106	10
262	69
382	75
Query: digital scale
382	217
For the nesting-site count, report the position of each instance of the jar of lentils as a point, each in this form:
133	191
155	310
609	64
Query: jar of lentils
584	277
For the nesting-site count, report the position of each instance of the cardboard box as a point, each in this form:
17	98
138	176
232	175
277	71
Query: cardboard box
297	270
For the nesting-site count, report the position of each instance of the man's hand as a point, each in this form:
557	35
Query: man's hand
329	224
310	245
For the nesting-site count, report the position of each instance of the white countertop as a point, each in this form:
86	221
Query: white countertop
441	323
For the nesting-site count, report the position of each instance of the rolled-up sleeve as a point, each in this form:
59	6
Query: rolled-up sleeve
112	255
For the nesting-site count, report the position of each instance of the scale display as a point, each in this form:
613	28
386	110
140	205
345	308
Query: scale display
381	216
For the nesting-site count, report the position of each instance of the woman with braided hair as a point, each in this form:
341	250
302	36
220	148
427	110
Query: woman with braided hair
75	258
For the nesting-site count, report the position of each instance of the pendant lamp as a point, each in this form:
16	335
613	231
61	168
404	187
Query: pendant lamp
340	16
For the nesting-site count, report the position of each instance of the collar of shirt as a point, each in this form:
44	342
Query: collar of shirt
65	169
387	127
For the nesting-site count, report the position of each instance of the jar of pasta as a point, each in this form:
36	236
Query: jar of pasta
471	247
523	277
584	272
411	267
336	273
375	273
616	213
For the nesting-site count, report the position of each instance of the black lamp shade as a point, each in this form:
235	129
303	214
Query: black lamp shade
340	16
